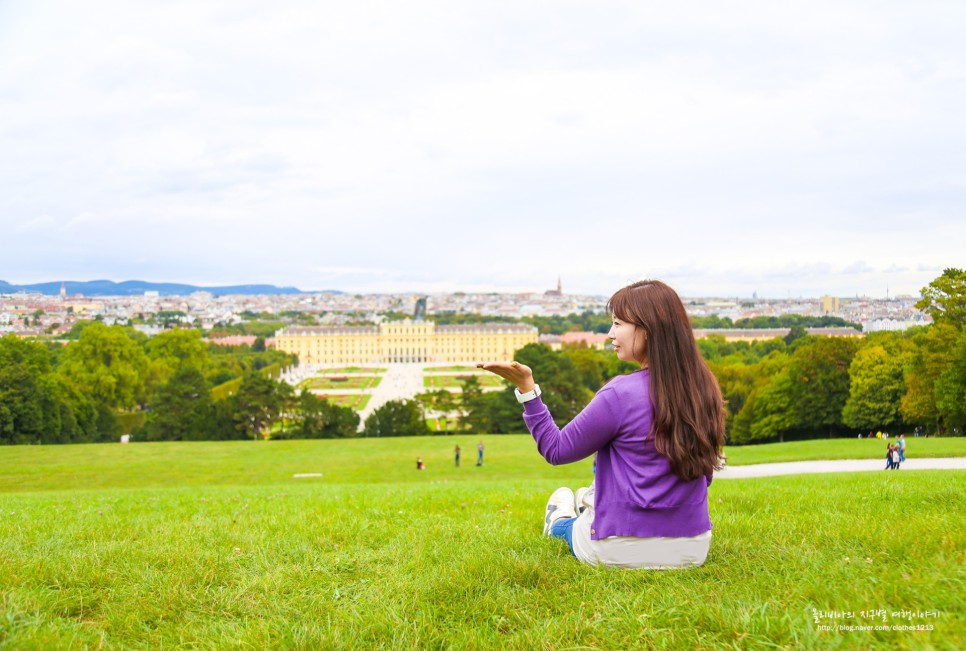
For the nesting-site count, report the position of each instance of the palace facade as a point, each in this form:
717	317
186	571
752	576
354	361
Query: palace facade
404	341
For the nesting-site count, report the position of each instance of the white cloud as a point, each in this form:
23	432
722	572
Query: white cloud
42	223
745	147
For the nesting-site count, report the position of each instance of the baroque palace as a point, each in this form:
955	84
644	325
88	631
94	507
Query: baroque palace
404	341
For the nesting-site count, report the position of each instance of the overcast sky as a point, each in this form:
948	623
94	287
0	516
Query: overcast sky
783	148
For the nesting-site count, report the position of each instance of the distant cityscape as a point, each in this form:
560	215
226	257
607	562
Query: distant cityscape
32	313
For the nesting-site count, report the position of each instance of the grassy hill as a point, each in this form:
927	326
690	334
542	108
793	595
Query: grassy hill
218	545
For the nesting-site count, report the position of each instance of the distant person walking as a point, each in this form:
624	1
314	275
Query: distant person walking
456	452
479	453
902	447
419	464
892	457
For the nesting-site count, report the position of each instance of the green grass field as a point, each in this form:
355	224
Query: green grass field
456	381
217	545
356	401
343	382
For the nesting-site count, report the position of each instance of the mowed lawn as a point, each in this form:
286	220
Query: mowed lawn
219	545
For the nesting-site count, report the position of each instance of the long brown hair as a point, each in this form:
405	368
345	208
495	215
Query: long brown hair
689	417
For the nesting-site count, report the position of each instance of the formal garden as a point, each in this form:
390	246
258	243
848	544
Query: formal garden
336	382
458	381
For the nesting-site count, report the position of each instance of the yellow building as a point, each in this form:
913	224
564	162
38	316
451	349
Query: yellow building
830	304
403	341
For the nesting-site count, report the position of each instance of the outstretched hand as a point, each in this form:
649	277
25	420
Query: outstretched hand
519	374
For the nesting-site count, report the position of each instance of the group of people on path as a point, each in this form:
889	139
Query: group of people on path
896	453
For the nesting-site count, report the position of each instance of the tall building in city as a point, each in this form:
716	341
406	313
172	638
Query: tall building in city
830	304
404	341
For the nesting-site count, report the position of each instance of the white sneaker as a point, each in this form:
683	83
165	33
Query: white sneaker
581	494
560	505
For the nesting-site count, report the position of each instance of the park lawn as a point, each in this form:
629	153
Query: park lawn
456	381
356	401
231	551
352	369
450	369
345	382
508	457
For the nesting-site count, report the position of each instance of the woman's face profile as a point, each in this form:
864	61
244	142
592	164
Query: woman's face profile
629	341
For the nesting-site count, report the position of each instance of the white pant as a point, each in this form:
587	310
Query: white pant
630	552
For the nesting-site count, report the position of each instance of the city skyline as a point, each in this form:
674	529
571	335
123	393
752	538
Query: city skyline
789	150
138	287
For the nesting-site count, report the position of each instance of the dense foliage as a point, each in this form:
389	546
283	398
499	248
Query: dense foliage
177	386
396	418
598	322
715	322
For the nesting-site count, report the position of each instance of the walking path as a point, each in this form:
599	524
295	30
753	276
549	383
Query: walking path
841	465
399	382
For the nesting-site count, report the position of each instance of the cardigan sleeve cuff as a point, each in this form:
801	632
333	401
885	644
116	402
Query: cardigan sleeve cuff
534	407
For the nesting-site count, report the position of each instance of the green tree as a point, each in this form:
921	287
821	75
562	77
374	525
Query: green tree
740	385
439	404
502	413
259	404
795	332
396	418
172	350
181	409
589	364
931	355
560	381
470	408
875	390
944	299
21	413
315	418
35	404
107	363
951	389
818	372
772	410
77	328
14	350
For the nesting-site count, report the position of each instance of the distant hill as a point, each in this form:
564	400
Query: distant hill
138	287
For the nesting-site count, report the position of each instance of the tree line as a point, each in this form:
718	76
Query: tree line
799	386
168	387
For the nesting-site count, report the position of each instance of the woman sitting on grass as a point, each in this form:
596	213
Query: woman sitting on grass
658	433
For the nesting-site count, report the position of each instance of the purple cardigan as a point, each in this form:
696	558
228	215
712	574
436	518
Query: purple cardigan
636	493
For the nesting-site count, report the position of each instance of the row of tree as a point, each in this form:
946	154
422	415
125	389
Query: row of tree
793	387
885	381
173	386
183	409
588	321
